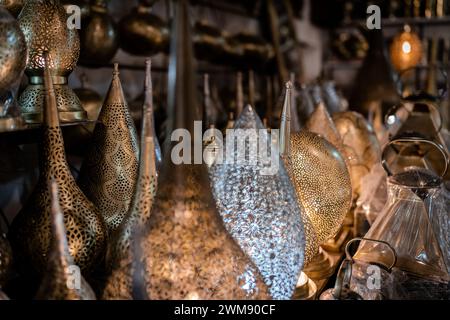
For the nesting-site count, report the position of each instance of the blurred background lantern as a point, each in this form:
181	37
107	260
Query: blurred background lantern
406	50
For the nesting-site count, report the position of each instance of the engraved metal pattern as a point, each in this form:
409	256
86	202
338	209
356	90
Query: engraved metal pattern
322	182
56	281
13	50
5	260
361	146
110	170
30	232
44	24
188	254
261	213
120	251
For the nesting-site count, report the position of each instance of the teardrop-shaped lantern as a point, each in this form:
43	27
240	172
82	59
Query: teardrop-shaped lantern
109	172
361	146
259	207
188	253
120	251
30	233
320	122
56	283
5	260
98	36
312	244
46	28
143	33
322	181
13	6
13	57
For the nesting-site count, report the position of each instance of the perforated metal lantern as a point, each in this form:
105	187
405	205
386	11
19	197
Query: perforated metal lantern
360	144
259	209
187	252
120	256
60	265
30	233
322	182
110	169
44	24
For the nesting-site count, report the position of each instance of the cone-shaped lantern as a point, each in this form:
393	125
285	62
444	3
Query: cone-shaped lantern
60	270
110	169
320	122
30	232
259	207
187	251
120	252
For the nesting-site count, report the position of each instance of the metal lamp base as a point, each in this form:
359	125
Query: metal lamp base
320	267
69	106
306	288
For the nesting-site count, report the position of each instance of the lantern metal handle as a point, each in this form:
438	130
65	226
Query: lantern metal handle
415	140
393	110
394	253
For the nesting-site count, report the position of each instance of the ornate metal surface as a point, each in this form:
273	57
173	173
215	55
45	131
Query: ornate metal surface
360	145
120	251
13	51
60	264
322	182
30	233
44	24
261	213
188	254
110	170
98	36
5	260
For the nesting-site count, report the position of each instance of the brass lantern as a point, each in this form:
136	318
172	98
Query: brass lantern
188	254
99	35
30	233
260	209
109	172
44	24
322	181
120	255
406	50
361	146
12	64
60	264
